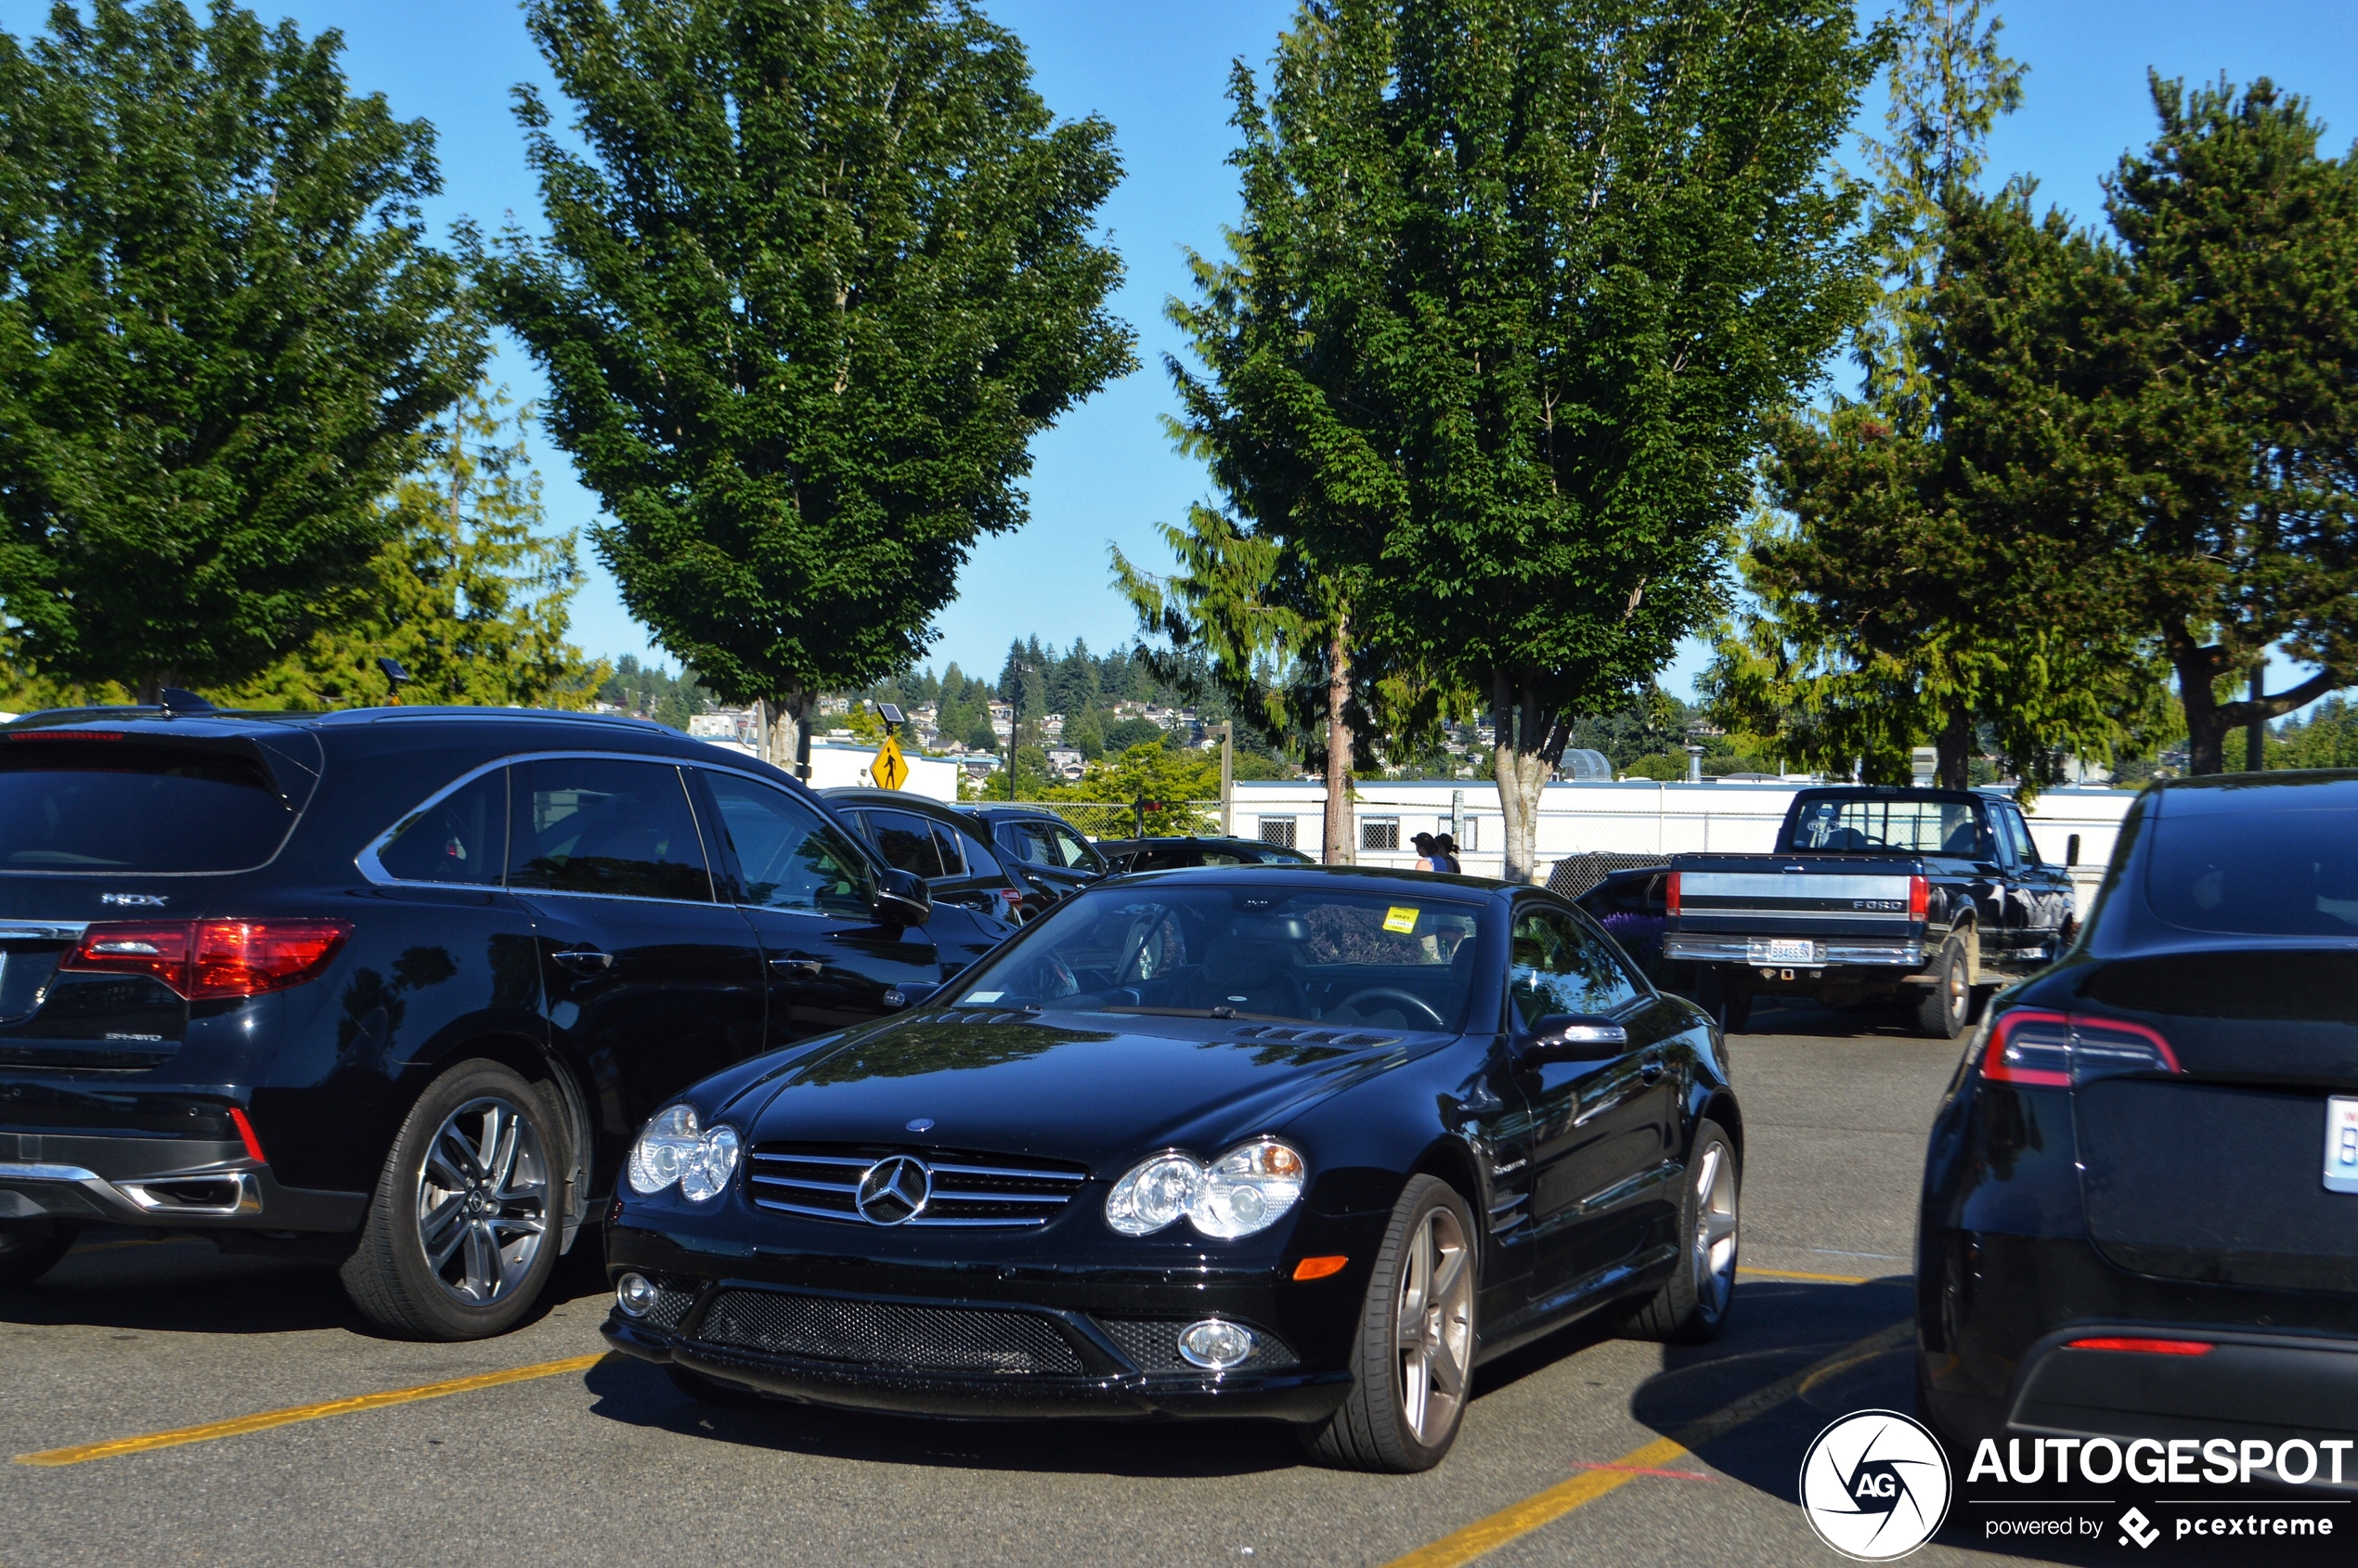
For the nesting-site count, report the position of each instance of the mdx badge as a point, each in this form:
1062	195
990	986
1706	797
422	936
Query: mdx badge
132	901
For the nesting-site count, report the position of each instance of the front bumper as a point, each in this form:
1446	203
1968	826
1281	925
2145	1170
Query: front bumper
156	1181
1015	1336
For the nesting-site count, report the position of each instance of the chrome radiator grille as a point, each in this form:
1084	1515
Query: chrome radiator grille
969	1189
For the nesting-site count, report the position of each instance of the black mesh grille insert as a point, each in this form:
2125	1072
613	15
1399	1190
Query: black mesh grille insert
671	1305
1152	1345
968	1189
885	1334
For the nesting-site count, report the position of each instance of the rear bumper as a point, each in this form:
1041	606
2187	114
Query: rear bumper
190	1182
1837	952
2275	1386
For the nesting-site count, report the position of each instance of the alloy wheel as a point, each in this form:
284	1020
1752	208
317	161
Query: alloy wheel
1432	1334
1713	1256
483	1200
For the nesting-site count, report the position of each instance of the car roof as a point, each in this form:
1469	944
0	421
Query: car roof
902	800
159	721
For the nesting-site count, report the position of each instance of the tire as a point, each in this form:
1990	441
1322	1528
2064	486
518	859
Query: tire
1692	1305
1412	1362
31	1249
463	1229
709	1391
1947	1003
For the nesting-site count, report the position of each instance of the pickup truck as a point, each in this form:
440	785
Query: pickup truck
1874	892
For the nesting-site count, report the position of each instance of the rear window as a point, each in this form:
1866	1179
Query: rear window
125	805
1873	825
2257	871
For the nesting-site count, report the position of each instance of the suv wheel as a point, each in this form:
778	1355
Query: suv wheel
463	1228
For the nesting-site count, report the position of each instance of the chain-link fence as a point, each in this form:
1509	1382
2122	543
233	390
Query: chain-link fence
1162	818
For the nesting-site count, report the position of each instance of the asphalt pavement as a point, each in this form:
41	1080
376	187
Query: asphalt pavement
1585	1449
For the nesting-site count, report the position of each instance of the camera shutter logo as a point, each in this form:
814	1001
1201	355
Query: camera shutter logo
1876	1486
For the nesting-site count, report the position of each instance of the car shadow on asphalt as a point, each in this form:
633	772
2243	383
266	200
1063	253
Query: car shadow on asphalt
185	1285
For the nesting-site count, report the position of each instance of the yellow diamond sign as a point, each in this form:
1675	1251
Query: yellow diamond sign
891	769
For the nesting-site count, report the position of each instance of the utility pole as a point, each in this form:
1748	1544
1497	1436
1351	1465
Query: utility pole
1228	778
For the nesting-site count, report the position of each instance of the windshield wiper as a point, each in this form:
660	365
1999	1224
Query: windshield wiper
1222	1013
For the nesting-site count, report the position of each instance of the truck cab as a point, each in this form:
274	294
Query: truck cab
1918	896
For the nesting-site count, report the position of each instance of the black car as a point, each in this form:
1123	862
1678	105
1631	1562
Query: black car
2139	1213
400	986
945	846
1172	854
1304	1143
1040	847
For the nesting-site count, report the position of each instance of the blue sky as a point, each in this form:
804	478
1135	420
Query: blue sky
1107	473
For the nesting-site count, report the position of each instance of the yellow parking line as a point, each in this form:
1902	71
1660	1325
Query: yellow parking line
1797	1274
1487	1535
268	1419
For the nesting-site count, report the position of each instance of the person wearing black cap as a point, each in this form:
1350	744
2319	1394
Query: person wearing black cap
1425	851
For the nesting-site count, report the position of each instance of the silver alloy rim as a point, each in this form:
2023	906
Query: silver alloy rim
1432	1334
483	1200
1715	1250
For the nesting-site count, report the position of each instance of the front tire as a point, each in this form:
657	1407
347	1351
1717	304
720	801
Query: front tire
1692	1305
31	1249
1941	1012
461	1234
1412	1363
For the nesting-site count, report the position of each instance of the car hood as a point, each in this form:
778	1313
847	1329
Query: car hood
1057	1086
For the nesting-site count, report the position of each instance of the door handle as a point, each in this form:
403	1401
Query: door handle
797	968
1650	1069
584	960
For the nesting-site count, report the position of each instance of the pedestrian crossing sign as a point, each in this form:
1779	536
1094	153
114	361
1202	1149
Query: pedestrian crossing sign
891	769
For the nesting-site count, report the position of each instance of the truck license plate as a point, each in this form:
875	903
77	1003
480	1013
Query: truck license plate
2341	1143
1778	951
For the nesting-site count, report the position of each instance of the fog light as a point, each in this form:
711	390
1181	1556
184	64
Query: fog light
1214	1345
635	1294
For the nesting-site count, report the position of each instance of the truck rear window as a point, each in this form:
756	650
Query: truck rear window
2256	873
1915	827
120	806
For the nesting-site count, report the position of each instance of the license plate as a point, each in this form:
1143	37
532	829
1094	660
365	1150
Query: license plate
1781	952
2341	1143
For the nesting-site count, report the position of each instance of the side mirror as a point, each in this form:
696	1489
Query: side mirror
1572	1037
2071	850
902	898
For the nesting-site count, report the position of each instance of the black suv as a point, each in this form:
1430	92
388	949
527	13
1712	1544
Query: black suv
945	846
1046	852
408	978
1170	854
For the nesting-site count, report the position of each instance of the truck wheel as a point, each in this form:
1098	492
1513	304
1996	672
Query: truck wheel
1941	1012
463	1229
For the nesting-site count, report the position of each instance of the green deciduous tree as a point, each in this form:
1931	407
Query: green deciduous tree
816	276
221	335
1553	261
469	596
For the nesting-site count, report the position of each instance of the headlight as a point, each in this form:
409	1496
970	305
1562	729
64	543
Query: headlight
674	1149
1247	1190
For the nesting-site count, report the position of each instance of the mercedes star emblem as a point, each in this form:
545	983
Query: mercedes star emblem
922	1125
894	1190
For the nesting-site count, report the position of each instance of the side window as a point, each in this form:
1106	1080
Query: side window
980	861
461	838
905	840
949	845
1605	970
601	826
1553	968
1226	857
2019	831
1017	844
791	857
1070	849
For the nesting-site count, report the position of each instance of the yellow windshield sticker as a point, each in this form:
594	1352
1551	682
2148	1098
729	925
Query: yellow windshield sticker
1400	919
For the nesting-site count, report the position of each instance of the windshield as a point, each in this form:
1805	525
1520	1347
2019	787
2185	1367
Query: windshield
2270	873
69	804
1874	824
1217	950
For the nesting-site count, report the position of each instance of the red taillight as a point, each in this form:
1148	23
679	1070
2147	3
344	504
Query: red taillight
2059	1050
2144	1347
1671	893
204	959
1919	897
245	1135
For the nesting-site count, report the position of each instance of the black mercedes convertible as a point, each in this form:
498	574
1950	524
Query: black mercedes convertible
1302	1144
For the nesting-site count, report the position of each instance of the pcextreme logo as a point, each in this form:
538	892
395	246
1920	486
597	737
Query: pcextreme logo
1874	1485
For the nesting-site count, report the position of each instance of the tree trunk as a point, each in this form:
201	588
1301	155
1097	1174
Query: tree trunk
786	726
1340	848
2208	720
1524	750
1953	750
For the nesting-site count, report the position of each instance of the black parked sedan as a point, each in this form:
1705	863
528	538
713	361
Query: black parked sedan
1170	854
2141	1205
400	986
1300	1144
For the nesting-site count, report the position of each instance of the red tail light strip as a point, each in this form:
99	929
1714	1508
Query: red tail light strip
2144	1347
204	959
245	1134
2057	1050
1671	893
1919	898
